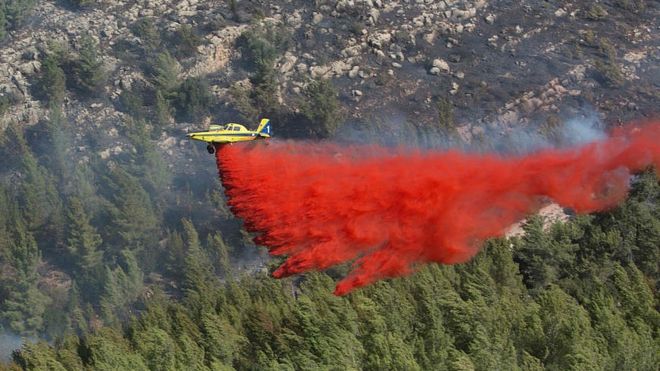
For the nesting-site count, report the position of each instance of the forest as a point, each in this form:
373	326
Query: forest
575	296
131	263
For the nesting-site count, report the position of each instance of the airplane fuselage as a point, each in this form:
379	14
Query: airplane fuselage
231	133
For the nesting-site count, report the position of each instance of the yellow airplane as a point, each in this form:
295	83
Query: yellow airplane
231	133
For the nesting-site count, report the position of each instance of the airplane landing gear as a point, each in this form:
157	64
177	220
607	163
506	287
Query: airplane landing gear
210	148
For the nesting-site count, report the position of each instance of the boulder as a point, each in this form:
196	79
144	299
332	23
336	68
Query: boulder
441	64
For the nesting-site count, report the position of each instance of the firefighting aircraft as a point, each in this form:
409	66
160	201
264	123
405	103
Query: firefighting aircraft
231	133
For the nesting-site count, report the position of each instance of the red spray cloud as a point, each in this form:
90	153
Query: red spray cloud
392	210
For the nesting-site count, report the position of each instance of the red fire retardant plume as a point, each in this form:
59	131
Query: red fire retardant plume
389	210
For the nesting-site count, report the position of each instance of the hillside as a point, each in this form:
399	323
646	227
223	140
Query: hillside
117	247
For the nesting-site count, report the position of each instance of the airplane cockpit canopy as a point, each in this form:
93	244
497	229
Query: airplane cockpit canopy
228	127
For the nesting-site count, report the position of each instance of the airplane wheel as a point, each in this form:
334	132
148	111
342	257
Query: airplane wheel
210	148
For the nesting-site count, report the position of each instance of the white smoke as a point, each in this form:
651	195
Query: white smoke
8	344
395	130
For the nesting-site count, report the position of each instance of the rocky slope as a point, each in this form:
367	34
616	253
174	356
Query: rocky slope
500	63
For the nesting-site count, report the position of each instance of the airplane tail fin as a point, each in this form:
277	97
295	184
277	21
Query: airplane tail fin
264	128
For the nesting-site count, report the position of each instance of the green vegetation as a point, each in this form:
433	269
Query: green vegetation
120	263
146	30
321	107
13	12
610	71
165	73
606	63
193	98
596	12
261	47
145	292
81	3
3	21
52	82
185	41
88	75
445	116
635	6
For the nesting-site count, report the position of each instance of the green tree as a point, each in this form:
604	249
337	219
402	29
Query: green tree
198	277
147	160
146	30
16	11
3	21
221	340
158	349
175	258
52	81
193	98
88	72
162	108
24	305
58	145
109	351
571	343
186	41
543	257
83	244
165	74
220	251
37	196
123	285
38	356
134	220
321	107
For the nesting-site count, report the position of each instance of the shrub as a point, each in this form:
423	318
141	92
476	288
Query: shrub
52	81
148	33
321	107
445	115
610	71
185	41
165	72
596	12
89	76
192	98
635	6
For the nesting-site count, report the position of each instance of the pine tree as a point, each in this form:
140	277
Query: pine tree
193	98
58	160
122	287
163	111
3	21
321	107
569	337
24	305
220	251
148	163
165	73
38	198
157	348
89	74
198	277
83	244
52	81
38	356
134	219
109	351
534	255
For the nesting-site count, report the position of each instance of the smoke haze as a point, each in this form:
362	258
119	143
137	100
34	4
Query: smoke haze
388	210
8	344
